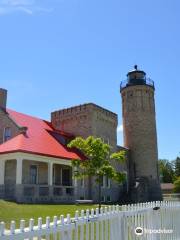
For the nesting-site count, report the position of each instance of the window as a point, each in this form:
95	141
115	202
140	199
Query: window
33	174
103	198
130	93
105	182
108	182
7	134
66	177
108	198
102	181
82	182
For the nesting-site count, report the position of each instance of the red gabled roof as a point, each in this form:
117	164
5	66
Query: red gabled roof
37	139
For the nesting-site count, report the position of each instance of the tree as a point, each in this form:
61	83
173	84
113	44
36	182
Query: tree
177	167
177	185
166	171
98	161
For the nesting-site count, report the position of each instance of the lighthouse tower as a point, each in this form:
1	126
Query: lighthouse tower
140	137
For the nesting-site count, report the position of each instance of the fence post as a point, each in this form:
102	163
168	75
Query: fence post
47	227
92	224
106	224
97	224
102	223
2	228
87	224
68	232
76	224
62	224
156	220
110	224
121	225
55	227
82	225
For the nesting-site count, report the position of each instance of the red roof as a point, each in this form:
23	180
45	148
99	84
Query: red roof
38	139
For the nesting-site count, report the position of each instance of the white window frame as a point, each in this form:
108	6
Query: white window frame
103	185
4	140
82	182
61	176
54	174
106	182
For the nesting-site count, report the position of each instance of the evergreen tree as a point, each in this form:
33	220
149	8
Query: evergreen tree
166	171
177	167
177	185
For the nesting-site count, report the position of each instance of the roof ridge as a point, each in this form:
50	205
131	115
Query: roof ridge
28	115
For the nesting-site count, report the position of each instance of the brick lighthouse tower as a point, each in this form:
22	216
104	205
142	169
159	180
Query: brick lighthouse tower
140	137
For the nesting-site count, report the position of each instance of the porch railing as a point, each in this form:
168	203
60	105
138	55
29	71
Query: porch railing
47	193
44	190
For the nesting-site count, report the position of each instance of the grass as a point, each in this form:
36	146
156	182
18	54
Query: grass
12	211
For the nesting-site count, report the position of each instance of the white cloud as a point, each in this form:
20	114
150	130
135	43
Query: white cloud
27	6
17	2
120	128
25	10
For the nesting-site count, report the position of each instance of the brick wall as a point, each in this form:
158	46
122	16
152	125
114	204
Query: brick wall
5	121
140	129
90	119
85	120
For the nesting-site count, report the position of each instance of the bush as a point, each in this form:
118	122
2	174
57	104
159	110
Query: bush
177	185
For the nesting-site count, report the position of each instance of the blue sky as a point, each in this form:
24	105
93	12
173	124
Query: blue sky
59	53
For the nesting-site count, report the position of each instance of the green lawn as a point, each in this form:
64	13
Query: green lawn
12	211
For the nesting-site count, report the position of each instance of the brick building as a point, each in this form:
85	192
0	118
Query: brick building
35	163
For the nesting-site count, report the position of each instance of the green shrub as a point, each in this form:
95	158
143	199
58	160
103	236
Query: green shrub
177	185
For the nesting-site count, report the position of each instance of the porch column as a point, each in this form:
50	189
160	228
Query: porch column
74	170
75	183
50	174
2	169
19	171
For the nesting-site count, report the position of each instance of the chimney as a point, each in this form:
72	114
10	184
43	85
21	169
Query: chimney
3	98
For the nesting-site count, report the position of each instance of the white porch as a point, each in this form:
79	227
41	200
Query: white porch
33	178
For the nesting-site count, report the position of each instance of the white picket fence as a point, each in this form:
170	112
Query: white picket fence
150	221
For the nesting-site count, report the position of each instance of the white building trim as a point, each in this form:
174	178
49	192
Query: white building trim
19	171
2	171
50	174
34	157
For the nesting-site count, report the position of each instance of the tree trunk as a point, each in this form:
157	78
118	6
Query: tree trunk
99	193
